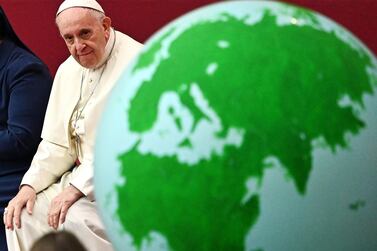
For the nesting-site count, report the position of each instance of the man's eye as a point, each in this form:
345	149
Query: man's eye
69	40
85	34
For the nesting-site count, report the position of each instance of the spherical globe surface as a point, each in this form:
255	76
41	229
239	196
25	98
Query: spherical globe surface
243	125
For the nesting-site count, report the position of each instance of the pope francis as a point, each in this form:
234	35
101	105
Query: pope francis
57	190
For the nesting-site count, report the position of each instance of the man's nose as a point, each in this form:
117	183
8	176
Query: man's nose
79	45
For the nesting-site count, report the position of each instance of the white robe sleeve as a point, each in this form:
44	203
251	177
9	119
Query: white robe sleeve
50	162
82	179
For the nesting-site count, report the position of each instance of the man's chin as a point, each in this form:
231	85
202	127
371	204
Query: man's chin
86	63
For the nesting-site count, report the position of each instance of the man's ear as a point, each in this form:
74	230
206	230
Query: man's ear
106	24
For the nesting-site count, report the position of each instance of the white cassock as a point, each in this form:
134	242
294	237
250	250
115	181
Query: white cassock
69	115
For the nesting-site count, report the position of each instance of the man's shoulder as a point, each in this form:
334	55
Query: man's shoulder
126	49
69	66
126	42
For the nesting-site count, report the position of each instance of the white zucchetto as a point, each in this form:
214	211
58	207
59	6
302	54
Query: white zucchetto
91	4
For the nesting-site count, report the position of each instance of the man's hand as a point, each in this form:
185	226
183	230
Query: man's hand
60	204
25	197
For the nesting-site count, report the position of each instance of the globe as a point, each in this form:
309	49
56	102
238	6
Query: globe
243	125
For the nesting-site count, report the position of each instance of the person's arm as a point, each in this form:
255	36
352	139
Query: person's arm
28	86
83	179
49	163
81	185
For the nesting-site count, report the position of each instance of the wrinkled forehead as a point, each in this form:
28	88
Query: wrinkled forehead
73	14
76	17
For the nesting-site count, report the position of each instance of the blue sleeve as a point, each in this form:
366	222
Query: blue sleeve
29	85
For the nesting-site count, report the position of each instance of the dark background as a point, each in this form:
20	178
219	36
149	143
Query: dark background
34	20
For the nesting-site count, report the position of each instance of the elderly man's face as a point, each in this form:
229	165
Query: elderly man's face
84	34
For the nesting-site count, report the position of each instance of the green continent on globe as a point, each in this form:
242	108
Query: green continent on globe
277	86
